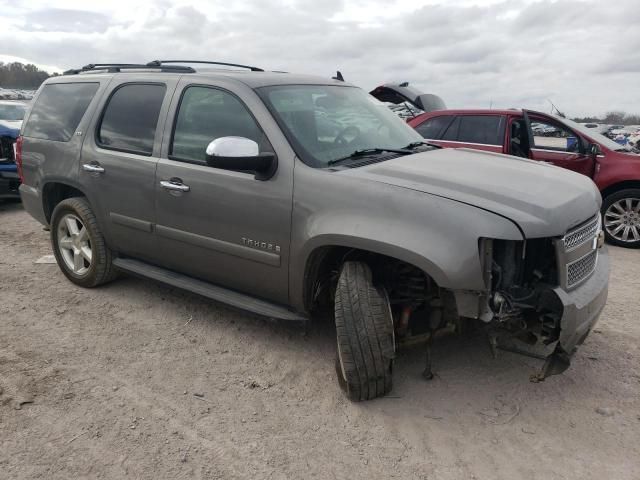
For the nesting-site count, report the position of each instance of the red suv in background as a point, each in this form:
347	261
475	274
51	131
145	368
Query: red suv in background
551	139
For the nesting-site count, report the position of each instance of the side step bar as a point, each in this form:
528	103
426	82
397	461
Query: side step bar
214	292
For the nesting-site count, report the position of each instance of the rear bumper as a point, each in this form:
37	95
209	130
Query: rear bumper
582	306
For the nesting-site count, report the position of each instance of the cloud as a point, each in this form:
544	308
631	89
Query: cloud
581	54
65	21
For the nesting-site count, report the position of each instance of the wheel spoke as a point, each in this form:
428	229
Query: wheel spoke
72	226
617	229
628	204
86	253
619	208
78	261
83	234
612	214
625	234
611	223
636	233
66	243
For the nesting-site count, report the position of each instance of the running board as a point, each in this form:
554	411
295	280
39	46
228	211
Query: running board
214	292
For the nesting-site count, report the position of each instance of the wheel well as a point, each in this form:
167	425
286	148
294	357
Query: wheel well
323	268
53	193
620	186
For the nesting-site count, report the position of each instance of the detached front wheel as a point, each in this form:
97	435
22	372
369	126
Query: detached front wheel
364	328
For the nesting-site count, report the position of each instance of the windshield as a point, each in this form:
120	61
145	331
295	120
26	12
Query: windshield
325	123
12	112
601	139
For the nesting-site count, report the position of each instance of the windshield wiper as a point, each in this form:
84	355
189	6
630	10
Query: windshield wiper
413	145
367	152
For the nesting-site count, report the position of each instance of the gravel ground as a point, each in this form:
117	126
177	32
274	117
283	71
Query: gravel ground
138	380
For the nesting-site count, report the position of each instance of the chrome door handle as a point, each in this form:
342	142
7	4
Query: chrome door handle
174	186
90	167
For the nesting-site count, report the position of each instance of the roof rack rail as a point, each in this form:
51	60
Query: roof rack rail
117	67
158	63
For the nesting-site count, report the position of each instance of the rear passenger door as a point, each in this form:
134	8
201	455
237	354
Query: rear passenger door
480	132
223	226
118	162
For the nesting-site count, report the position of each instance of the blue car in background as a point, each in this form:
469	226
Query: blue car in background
11	116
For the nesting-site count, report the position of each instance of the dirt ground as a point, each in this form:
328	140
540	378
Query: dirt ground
138	380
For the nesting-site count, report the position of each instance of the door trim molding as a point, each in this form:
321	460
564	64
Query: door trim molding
130	222
241	251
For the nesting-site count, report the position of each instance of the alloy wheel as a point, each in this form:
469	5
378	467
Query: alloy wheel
74	244
622	220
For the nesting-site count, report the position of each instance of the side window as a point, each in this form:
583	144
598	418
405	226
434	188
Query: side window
58	110
433	128
130	118
207	113
551	136
452	132
485	129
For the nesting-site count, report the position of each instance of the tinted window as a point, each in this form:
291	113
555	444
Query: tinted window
552	136
58	110
452	131
206	114
487	129
433	127
130	118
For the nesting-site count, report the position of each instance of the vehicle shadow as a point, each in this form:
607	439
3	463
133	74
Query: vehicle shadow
10	205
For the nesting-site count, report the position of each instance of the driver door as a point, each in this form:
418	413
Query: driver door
225	227
553	142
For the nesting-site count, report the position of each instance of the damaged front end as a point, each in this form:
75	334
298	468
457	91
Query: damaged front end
545	294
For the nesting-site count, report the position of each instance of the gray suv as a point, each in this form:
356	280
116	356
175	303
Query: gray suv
284	194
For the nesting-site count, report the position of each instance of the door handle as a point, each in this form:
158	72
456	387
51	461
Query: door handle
93	168
170	185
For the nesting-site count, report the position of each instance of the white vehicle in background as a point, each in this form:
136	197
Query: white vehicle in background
597	127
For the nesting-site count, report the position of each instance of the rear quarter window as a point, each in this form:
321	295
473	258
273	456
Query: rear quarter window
58	110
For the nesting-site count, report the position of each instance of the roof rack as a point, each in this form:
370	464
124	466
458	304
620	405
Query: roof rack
159	63
117	67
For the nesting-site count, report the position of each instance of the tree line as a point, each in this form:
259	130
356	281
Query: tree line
20	76
613	118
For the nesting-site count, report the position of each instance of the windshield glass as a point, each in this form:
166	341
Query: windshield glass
601	139
12	112
327	122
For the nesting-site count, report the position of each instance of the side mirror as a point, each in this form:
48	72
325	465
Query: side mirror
594	149
240	154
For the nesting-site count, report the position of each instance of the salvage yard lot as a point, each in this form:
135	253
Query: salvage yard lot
140	380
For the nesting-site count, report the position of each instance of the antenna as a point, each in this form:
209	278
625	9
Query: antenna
560	114
338	76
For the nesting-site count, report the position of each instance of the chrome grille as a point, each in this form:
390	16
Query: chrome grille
581	268
582	234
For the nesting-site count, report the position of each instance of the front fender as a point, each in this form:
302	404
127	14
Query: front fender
438	235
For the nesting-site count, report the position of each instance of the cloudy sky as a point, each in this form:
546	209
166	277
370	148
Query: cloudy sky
583	55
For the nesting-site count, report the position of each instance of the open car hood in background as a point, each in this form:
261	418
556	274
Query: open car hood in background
398	93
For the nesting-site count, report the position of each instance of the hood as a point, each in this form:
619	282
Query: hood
542	199
10	128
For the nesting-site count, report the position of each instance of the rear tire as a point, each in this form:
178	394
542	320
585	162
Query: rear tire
365	336
621	218
78	244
